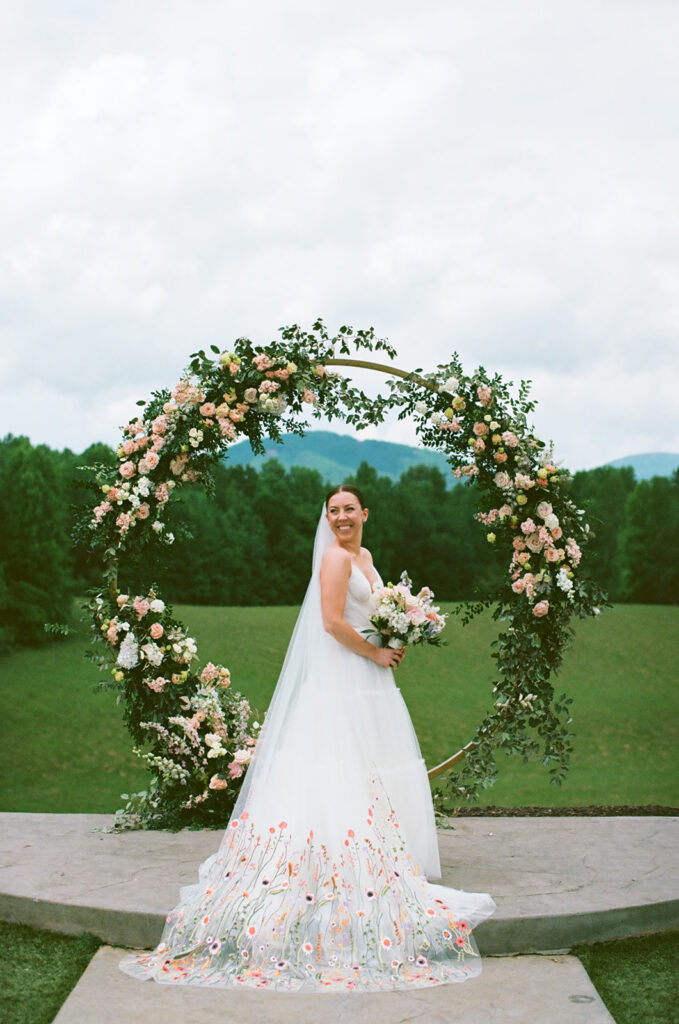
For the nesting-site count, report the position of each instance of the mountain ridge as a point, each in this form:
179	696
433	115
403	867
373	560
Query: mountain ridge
337	456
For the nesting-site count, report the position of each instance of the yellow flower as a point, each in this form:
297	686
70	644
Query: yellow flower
291	367
105	488
490	537
521	499
118	675
449	413
496	438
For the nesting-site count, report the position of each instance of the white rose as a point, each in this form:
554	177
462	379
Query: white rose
157	606
451	385
243	756
544	509
420	408
551	521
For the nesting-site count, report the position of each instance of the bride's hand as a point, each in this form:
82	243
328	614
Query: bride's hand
388	657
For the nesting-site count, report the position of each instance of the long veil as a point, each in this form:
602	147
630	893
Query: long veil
309	646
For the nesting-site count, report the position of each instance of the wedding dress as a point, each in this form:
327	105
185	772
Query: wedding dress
320	880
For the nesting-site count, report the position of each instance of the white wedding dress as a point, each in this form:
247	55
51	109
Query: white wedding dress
320	880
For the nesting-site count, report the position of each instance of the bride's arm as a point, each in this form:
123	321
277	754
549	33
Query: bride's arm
335	573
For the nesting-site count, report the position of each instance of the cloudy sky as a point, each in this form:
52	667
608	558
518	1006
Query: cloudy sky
494	177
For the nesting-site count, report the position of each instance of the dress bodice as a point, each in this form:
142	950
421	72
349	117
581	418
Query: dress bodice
358	606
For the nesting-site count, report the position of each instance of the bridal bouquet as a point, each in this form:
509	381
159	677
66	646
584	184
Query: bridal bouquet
402	618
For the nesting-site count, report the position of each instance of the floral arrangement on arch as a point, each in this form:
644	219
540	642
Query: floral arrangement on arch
195	732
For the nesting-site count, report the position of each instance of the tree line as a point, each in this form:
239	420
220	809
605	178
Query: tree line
250	542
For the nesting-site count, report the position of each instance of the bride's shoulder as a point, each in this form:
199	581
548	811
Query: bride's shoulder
336	557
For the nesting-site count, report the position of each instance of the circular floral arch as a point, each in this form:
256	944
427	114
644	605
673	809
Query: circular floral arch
194	730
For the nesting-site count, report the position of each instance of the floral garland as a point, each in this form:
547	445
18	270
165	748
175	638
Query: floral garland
198	732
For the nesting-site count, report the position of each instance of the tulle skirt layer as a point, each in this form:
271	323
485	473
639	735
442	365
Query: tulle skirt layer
320	881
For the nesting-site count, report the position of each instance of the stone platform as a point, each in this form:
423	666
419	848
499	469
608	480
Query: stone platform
511	990
556	881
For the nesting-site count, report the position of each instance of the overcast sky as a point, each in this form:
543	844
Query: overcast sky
495	177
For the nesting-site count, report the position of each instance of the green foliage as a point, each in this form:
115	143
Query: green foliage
649	542
39	969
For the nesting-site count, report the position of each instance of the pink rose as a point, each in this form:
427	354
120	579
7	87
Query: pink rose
129	447
541	608
217	783
519	586
262	362
479	445
503	480
159	425
141	606
127	470
528	526
510	439
557	532
208	409
112	633
123	522
500	457
519	544
235	770
209	673
162	494
551	555
480	429
250	395
143	510
308	396
227	429
416	615
156	631
484	394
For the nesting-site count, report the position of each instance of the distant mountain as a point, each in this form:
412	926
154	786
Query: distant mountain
337	456
648	465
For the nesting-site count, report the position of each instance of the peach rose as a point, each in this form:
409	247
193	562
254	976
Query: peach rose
541	608
156	631
127	470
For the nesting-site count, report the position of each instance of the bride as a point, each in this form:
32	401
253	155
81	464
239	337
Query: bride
320	881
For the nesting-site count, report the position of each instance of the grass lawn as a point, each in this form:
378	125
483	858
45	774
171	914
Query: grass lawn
39	969
65	749
636	978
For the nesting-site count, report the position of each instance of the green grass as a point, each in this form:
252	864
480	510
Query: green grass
66	750
39	969
636	978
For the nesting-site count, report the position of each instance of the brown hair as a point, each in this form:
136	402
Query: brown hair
345	487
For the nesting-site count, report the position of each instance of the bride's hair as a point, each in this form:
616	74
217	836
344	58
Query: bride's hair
340	489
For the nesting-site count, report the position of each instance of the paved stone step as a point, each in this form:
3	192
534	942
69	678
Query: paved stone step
511	990
557	881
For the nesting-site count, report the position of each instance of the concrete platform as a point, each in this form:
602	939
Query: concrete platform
512	990
556	881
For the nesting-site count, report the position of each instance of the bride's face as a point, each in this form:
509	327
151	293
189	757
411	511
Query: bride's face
345	516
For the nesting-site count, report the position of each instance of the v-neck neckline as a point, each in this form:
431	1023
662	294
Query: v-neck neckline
371	585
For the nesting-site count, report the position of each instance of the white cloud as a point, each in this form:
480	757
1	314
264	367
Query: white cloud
498	179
